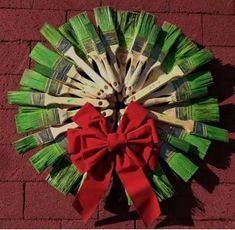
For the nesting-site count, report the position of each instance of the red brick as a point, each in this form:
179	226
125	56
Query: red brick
190	24
182	224
10	164
28	171
218	30
30	224
111	220
225	174
203	205
222	68
14	57
226	55
7	123
131	5
202	6
66	4
8	83
16	3
15	167
11	200
44	202
25	24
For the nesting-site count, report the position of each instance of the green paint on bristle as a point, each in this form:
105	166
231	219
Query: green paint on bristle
183	48
64	177
19	97
105	20
178	163
168	35
35	80
28	109
40	118
55	38
192	86
198	59
174	141
127	22
25	88
151	40
146	23
205	110
49	155
96	39
162	185
104	17
67	31
210	132
43	70
45	56
199	79
200	145
79	25
26	143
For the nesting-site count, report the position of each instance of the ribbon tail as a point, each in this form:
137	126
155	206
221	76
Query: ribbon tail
91	193
141	193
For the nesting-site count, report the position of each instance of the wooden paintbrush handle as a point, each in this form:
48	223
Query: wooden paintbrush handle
56	131
75	101
185	124
156	101
89	71
113	79
162	80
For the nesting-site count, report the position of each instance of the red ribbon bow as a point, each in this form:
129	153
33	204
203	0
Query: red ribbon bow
97	151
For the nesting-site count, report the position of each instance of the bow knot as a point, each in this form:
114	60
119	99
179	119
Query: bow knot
116	141
89	147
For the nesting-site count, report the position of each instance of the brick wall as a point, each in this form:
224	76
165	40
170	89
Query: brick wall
26	201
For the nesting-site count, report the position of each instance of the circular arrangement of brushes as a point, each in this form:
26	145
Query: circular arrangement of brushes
126	57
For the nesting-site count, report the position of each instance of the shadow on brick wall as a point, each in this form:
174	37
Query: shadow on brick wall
180	208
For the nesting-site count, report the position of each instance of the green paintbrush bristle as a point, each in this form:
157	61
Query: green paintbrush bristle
145	25
162	185
206	110
41	118
151	40
183	48
49	155
174	141
35	80
55	38
200	58
45	56
19	97
64	177
179	163
211	132
201	145
78	23
26	143
127	22
167	37
104	17
28	109
43	70
67	31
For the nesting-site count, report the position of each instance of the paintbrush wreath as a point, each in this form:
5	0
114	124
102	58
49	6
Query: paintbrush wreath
126	56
